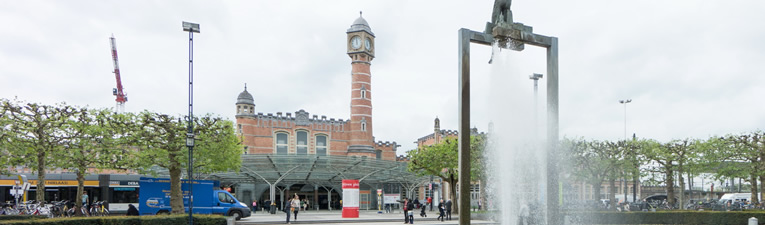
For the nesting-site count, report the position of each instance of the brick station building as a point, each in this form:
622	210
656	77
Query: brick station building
302	133
299	136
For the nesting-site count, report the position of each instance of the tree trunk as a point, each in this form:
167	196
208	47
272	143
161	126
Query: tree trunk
453	194
754	188
40	193
80	189
762	188
596	185
612	192
670	182
682	186
690	187
176	196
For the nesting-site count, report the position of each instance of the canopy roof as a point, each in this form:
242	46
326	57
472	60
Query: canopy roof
315	169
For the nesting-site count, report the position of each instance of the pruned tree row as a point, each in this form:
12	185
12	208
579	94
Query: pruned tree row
42	138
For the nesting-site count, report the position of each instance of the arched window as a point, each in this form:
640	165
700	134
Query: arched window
364	126
302	143
281	143
321	145
378	154
363	94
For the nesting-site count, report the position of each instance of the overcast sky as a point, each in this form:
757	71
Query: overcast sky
692	68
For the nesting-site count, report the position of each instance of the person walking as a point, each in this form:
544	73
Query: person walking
406	210
295	205
422	211
430	203
288	209
410	205
441	210
448	209
84	199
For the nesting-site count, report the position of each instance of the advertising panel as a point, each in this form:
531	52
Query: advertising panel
350	198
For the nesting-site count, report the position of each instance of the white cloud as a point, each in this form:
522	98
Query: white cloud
692	68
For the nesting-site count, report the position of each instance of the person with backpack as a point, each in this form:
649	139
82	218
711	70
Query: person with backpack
422	211
441	210
288	209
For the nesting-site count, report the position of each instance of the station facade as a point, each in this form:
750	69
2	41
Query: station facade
310	138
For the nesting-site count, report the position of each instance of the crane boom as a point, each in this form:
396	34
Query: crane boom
121	96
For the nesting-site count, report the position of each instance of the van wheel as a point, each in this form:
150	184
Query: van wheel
236	214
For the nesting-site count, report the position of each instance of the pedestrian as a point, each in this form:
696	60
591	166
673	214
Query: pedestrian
288	209
441	210
422	211
430	203
406	210
448	209
267	206
410	205
254	206
132	211
296	205
84	199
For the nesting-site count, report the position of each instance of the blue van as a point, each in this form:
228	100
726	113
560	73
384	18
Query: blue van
154	198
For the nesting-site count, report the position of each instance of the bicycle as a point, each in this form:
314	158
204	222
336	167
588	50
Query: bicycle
99	209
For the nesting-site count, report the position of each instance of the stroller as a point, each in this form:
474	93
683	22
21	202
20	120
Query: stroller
422	211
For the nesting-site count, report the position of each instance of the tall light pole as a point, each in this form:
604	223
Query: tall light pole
634	183
536	78
624	102
191	28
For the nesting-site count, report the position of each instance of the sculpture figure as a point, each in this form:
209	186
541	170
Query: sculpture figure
502	12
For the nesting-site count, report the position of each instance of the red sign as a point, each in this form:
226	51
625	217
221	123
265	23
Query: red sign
350	199
350	184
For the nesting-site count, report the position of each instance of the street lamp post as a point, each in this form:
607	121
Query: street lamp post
634	182
191	28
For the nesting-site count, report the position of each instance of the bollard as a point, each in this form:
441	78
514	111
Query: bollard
753	221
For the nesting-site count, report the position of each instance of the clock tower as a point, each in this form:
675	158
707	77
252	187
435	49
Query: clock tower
361	49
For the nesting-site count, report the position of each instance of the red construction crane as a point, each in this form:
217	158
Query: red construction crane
121	96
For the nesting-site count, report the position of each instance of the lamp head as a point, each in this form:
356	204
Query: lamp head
190	27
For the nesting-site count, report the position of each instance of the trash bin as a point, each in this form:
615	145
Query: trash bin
273	209
230	220
753	221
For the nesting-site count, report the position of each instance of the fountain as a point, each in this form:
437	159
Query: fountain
536	201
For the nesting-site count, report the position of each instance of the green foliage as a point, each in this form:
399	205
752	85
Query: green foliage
595	161
22	217
162	140
34	134
123	220
442	160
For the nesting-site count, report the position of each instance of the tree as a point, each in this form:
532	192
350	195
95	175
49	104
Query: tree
161	139
35	133
738	156
670	157
588	161
95	143
441	160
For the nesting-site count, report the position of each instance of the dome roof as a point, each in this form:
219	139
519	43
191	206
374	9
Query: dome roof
360	24
245	97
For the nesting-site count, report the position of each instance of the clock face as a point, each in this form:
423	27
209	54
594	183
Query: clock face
368	44
356	42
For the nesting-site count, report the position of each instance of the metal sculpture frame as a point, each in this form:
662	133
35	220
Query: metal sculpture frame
516	35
